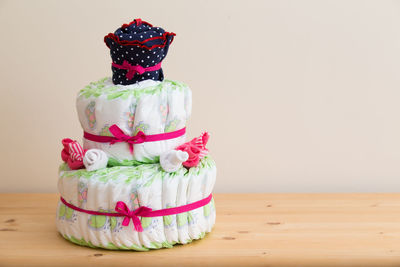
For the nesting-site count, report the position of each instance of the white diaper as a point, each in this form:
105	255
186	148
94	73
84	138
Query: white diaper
145	185
149	106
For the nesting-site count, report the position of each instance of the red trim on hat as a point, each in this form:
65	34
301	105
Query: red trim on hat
136	42
140	43
138	22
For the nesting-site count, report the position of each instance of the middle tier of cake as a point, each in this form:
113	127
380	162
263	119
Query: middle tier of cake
149	106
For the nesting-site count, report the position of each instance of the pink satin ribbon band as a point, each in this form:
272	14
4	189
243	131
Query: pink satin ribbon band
133	69
122	210
140	137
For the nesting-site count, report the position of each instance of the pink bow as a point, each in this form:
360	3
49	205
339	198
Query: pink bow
120	136
72	154
132	70
123	209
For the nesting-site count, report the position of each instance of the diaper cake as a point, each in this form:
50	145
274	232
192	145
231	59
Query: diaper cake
135	183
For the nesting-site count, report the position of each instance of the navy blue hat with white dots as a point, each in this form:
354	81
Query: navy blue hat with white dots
137	50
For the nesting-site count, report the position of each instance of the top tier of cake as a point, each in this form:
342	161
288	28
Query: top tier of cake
137	50
152	107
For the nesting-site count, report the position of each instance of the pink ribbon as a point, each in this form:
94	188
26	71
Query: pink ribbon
120	136
133	69
123	209
140	137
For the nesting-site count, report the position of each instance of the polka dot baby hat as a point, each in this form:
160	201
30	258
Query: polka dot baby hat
137	50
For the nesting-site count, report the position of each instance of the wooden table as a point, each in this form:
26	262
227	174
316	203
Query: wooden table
251	230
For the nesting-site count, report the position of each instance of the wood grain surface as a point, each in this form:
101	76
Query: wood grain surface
251	230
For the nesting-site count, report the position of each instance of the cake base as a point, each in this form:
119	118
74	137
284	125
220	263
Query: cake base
144	185
112	246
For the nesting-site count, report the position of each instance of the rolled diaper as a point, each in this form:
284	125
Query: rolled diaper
172	160
95	159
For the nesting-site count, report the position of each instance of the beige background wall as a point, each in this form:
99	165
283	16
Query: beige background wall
299	96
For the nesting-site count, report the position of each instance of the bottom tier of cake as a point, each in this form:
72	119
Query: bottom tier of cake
144	185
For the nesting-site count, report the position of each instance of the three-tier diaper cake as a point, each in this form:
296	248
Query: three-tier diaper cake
135	183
